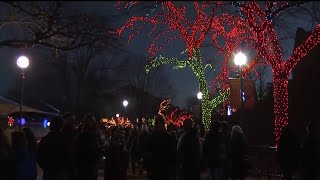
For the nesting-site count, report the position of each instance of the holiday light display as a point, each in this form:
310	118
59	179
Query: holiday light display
120	121
149	121
267	46
198	69
10	122
206	24
174	117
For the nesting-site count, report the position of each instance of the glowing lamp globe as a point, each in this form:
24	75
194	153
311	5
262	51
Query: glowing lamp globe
22	62
117	115
240	59
199	95
125	103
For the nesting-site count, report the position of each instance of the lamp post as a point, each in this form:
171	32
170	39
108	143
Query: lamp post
125	104
240	59
22	63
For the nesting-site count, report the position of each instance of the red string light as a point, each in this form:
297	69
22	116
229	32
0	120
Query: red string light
268	47
173	19
175	117
10	122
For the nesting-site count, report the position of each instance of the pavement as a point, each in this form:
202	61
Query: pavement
204	176
131	176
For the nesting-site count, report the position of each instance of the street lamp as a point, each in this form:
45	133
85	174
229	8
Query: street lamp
22	63
199	95
117	115
240	59
125	104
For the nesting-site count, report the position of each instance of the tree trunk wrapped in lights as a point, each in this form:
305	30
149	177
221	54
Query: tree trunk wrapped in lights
197	68
268	47
193	32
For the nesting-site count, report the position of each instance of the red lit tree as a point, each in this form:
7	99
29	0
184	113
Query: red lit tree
267	46
193	32
172	115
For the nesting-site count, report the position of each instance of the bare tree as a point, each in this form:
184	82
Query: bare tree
191	102
156	83
259	76
46	24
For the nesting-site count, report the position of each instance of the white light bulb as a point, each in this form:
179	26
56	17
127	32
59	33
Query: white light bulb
23	62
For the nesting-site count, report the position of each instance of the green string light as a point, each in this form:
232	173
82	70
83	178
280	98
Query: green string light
196	65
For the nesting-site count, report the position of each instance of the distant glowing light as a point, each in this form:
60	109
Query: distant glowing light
125	103
117	115
199	95
229	111
240	59
10	122
243	97
23	121
45	123
22	62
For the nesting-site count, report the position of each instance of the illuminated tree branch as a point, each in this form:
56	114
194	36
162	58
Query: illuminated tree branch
158	61
206	24
198	70
267	46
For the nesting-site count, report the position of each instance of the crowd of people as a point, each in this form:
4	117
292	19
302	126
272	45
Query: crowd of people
161	152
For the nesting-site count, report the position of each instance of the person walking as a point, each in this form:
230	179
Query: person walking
25	162
189	152
51	152
69	135
133	147
288	153
7	168
215	151
160	151
239	150
87	150
117	157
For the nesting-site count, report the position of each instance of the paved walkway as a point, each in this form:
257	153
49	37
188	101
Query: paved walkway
203	177
137	177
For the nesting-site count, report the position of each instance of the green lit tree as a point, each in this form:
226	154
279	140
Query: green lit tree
207	25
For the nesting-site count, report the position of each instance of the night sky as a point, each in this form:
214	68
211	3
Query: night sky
184	81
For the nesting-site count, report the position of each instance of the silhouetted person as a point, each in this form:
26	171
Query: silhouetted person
173	161
87	150
161	150
32	143
215	151
117	157
133	147
239	149
51	152
310	152
226	135
189	152
7	168
144	155
25	162
69	134
287	152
